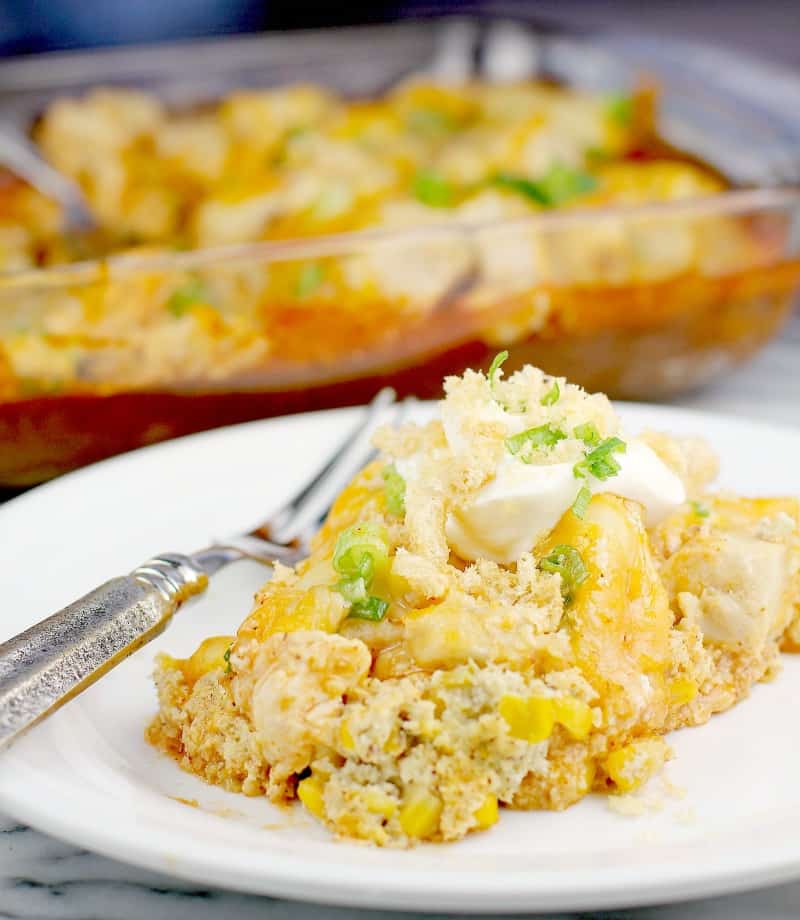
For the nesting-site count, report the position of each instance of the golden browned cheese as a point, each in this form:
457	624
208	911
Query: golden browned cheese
620	620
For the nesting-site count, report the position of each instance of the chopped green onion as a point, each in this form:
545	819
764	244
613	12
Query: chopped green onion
353	590
432	189
362	551
499	360
567	562
522	186
619	109
227	659
699	510
494	367
598	462
430	121
557	186
533	439
588	433
395	490
552	396
373	608
562	183
182	299
311	277
581	503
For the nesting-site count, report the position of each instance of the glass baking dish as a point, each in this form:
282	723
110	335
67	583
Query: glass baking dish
641	301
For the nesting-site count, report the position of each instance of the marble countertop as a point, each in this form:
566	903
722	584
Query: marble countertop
44	878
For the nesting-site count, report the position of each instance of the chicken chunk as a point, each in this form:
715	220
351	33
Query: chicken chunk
293	688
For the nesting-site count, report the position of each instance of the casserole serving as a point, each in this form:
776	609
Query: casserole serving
511	607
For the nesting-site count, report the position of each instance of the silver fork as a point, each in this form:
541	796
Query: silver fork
23	157
48	664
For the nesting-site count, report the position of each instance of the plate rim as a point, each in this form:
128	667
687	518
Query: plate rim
596	888
785	429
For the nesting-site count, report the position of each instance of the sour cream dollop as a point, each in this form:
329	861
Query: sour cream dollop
523	502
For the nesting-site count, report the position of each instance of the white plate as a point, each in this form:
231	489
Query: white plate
87	776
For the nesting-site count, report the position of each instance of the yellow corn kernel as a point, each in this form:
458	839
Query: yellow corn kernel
419	816
380	803
310	791
209	656
394	661
453	679
683	690
488	813
346	739
394	743
632	765
574	715
531	719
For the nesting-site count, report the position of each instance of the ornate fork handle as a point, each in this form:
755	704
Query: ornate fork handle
54	660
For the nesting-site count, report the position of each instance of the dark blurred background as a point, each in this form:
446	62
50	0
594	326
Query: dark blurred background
768	27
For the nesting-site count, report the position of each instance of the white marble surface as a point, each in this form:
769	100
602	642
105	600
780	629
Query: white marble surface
43	878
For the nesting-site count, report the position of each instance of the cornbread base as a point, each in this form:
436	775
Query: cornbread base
202	729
